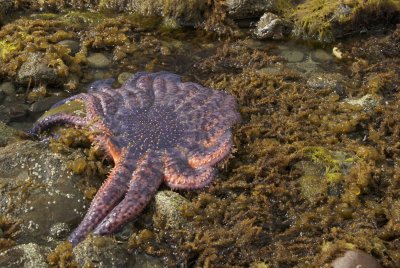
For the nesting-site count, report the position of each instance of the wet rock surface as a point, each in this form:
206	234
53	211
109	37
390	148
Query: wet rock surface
168	207
8	89
38	189
36	69
244	9
271	26
25	255
73	45
98	60
44	104
335	81
8	135
102	252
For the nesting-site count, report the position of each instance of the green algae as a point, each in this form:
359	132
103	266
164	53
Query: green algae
6	48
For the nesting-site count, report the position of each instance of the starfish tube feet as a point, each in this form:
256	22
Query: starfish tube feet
144	184
109	194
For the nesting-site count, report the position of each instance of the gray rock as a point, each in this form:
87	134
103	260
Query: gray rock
103	251
17	111
26	255
71	44
246	9
44	104
168	214
37	188
36	68
355	258
8	134
8	88
98	60
293	55
271	26
321	55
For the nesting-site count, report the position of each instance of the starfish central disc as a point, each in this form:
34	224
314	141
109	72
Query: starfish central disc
156	128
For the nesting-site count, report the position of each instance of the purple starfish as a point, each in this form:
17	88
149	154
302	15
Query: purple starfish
156	129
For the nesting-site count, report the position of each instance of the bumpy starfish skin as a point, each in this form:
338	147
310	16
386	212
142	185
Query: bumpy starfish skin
156	129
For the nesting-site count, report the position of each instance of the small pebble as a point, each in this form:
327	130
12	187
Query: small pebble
98	60
293	55
71	44
165	51
8	88
122	77
321	55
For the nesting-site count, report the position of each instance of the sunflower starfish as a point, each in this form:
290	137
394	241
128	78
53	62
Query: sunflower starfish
156	129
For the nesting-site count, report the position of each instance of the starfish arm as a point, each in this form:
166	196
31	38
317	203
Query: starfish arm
179	175
141	87
109	194
200	157
54	120
143	186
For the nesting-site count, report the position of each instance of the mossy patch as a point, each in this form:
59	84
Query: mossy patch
325	20
8	231
62	256
6	48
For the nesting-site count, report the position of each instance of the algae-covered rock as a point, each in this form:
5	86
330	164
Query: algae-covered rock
334	81
186	12
103	252
169	207
324	172
326	20
36	68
